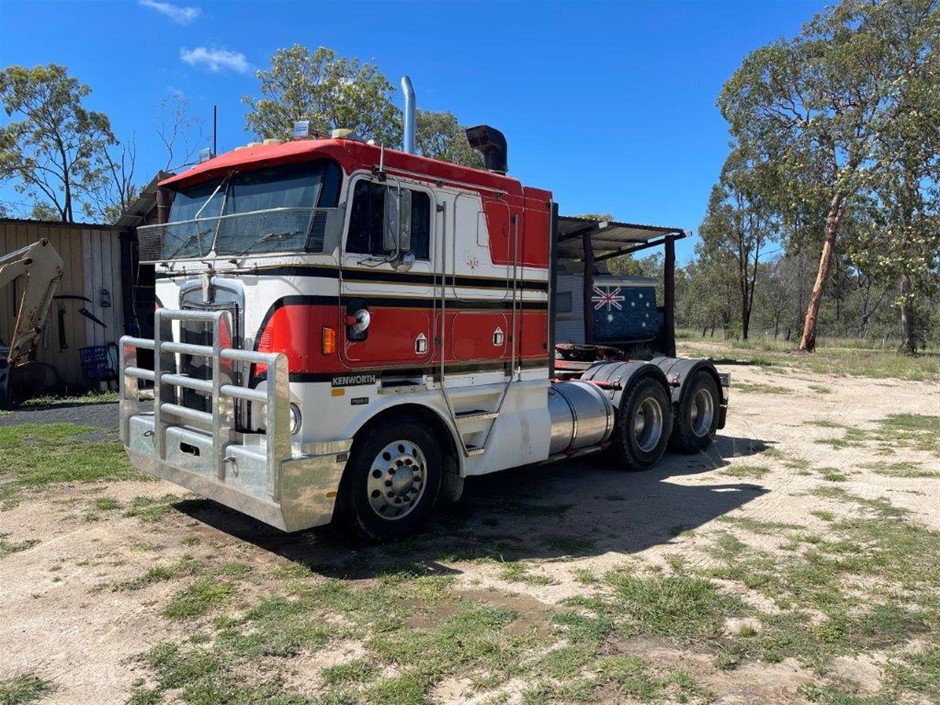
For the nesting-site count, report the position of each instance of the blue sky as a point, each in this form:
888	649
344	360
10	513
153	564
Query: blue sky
611	105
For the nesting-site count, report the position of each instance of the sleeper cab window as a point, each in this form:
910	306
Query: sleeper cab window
365	221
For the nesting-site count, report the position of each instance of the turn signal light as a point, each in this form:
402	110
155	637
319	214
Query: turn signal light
329	341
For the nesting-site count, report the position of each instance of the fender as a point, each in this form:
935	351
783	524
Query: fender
679	370
421	403
617	377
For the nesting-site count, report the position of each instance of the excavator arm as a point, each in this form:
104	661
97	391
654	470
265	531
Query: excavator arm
42	267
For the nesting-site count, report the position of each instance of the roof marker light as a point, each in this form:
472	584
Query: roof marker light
301	129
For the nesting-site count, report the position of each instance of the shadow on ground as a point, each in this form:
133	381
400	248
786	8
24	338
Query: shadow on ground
577	508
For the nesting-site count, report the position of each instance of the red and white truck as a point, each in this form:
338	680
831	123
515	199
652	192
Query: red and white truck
348	331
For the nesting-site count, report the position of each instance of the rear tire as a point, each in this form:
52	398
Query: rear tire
697	417
392	480
644	422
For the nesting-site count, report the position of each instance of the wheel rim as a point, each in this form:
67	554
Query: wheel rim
397	479
648	425
702	411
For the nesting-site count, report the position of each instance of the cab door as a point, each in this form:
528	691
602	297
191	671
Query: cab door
386	294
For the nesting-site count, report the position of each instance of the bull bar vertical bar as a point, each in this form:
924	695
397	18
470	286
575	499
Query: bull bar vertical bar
275	397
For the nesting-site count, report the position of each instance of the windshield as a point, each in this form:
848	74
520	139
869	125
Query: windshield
266	210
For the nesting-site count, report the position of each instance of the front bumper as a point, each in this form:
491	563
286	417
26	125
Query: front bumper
299	493
259	474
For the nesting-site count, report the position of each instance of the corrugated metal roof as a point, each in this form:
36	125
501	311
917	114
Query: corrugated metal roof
608	238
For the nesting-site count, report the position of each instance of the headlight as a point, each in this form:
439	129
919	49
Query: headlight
295	419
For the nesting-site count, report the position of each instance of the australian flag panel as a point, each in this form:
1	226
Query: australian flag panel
624	312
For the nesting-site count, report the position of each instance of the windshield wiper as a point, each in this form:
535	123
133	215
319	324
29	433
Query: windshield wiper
209	200
268	238
188	241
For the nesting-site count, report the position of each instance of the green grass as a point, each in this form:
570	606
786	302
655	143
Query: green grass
519	573
150	509
833	475
917	431
199	597
759	388
677	607
757	526
358	671
105	504
857	358
8	547
160	573
154	574
746	471
904	469
415	624
34	457
820	389
89	398
869	584
24	688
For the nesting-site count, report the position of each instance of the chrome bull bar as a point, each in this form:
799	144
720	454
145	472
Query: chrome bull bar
258	474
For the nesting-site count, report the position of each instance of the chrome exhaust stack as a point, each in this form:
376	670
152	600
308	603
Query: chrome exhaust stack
409	92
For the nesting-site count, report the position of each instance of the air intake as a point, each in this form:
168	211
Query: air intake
491	143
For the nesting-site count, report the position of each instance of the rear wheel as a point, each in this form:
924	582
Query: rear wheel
697	420
392	480
644	422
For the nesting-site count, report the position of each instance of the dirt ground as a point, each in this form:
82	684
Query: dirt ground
65	616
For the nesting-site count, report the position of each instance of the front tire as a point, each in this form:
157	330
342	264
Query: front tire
644	422
392	480
697	419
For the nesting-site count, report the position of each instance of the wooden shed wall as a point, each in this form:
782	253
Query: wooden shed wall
92	262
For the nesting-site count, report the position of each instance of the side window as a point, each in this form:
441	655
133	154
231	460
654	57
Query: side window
563	302
367	212
421	224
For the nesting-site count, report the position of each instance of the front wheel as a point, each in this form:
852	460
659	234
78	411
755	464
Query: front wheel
644	422
392	481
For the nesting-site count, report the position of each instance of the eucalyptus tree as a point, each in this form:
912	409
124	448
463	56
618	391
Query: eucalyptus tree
438	135
330	91
741	222
823	104
53	148
336	92
901	244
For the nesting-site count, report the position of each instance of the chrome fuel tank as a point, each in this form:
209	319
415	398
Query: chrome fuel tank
581	415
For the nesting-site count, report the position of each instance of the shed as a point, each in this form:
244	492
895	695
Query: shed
91	283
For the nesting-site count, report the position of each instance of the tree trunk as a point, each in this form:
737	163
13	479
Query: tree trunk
908	344
833	220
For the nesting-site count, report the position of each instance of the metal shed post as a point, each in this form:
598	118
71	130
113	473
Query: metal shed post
669	297
588	287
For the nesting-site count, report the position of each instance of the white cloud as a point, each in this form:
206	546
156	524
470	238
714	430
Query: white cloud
216	60
180	15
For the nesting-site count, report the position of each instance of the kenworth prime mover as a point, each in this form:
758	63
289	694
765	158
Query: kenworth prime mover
348	331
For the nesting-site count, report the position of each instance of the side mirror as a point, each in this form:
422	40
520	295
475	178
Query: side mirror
404	262
396	225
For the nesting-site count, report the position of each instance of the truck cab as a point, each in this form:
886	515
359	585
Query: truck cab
347	329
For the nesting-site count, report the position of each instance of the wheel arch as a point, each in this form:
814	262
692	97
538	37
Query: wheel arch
440	428
678	371
625	374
